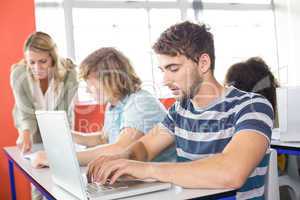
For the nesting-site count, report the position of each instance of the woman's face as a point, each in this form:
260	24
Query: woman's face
96	90
39	62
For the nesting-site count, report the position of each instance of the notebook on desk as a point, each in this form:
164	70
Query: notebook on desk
288	105
65	169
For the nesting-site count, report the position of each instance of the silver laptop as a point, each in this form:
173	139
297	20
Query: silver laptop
66	172
288	105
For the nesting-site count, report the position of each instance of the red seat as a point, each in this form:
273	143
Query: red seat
89	118
167	102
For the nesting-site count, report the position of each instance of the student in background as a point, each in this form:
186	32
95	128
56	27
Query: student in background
221	134
253	75
41	81
130	112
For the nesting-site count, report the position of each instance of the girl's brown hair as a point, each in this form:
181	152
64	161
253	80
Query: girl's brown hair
113	70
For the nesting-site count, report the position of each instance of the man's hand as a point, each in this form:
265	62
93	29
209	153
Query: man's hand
24	142
95	165
40	160
107	169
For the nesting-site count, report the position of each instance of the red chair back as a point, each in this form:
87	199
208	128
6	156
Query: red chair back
89	118
167	102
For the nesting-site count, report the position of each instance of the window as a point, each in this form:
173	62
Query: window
238	1
51	21
239	35
126	30
241	28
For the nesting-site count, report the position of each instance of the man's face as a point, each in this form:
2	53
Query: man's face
181	75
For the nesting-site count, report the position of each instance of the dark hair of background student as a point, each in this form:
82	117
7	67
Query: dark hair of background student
253	75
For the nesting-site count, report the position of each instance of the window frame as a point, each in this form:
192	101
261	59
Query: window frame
182	5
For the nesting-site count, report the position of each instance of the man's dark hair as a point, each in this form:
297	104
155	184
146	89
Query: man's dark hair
187	39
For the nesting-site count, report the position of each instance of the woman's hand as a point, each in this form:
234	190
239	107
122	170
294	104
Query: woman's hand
40	160
24	142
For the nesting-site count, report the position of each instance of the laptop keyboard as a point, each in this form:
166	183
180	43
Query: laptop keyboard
93	188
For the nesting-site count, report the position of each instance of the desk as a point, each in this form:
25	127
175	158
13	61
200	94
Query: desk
290	148
292	178
41	178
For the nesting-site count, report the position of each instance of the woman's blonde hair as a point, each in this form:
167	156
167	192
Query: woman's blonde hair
113	70
40	41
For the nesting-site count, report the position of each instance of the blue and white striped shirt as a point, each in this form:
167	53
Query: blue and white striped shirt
200	133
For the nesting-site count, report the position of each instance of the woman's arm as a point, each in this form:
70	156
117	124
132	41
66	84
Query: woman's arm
127	137
23	112
89	139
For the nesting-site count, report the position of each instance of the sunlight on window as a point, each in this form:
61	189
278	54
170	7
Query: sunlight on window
48	1
51	21
239	35
133	0
158	25
125	29
237	1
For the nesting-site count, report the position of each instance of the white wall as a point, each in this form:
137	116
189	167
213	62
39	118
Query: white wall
287	14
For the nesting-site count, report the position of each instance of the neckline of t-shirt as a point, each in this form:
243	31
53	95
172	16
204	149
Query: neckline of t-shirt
216	101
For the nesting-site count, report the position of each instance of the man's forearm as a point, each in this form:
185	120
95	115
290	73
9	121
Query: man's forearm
206	173
137	151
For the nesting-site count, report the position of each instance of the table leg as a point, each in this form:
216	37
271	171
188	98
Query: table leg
12	179
228	198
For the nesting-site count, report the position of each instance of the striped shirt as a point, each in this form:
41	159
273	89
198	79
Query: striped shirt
203	132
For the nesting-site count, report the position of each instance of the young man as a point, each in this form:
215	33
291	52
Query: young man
221	134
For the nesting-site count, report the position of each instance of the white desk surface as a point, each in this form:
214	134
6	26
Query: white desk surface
43	177
286	144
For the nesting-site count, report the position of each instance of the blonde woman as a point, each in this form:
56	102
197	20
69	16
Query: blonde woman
41	81
130	112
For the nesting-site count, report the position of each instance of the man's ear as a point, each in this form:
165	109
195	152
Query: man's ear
204	63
